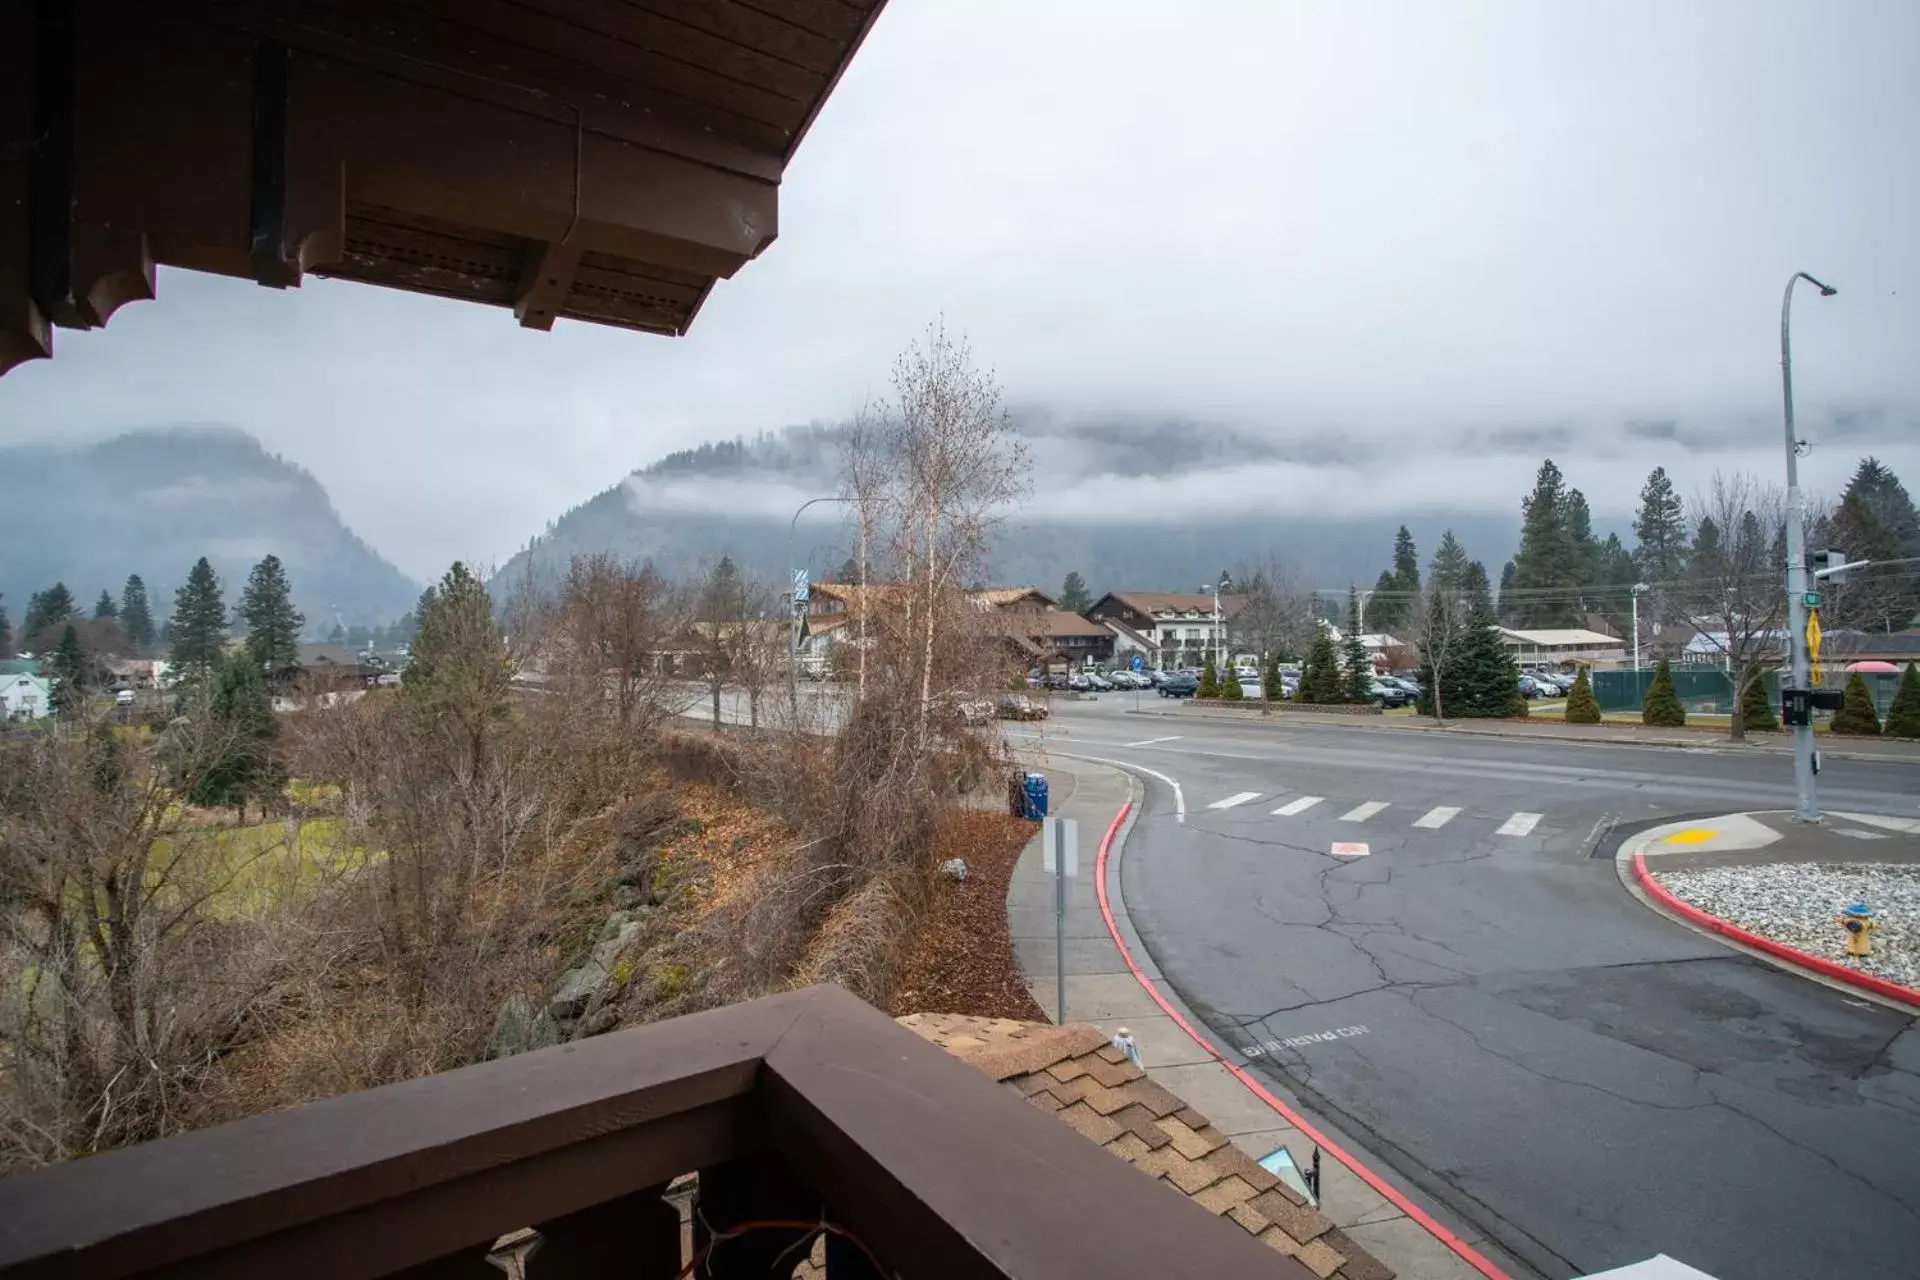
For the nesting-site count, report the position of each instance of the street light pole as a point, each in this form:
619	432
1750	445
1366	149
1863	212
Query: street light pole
1806	804
793	622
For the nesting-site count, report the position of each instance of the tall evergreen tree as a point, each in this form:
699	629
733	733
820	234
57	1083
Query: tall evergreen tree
46	611
6	632
1546	572
1392	601
198	627
244	734
136	615
1484	679
1508	601
273	624
1074	597
1876	520
1586	547
1660	531
458	679
71	673
1357	686
1473	585
1320	681
1448	572
104	609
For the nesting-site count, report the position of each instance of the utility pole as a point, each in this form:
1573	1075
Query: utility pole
1806	803
1638	587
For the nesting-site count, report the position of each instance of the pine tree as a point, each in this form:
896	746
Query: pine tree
1485	680
458	676
1756	708
1073	594
1547	568
198	627
1663	707
1856	716
1320	680
1508	601
1586	548
1660	531
1448	572
1271	687
244	733
1875	520
6	633
1230	689
46	611
273	624
136	615
104	608
1582	706
1209	681
1473	585
70	673
1357	682
1903	717
849	571
1392	601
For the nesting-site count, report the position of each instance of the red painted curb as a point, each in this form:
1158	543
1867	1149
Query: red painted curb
1805	959
1467	1253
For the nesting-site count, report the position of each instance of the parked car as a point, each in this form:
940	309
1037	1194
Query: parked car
1179	685
1099	683
123	697
1244	673
1390	695
1531	688
1156	677
1018	706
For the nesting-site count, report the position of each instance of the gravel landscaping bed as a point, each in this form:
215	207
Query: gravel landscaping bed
1797	903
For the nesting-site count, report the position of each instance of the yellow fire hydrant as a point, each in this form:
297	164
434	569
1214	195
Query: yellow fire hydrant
1858	921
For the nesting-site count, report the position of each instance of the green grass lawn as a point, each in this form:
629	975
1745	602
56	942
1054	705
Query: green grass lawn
257	867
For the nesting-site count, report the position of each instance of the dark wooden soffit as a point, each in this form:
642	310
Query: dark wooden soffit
939	1170
602	160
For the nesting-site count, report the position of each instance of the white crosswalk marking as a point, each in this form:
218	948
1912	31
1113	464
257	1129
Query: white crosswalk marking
1438	817
1301	805
1233	800
1361	812
1518	825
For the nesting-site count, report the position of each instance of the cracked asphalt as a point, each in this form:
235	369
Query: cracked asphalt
1582	1081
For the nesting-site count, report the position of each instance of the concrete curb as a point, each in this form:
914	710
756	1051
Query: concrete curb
1286	719
1672	904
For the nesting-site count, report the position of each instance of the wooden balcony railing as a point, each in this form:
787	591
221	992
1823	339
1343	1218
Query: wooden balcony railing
794	1110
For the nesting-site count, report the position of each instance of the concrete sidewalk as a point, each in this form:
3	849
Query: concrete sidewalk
1100	989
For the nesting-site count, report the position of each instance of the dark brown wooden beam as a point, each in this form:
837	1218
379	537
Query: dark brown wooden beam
25	333
544	284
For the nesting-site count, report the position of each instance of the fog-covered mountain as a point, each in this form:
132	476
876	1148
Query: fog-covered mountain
1161	504
153	502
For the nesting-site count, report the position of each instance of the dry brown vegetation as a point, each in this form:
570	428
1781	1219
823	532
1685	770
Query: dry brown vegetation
528	799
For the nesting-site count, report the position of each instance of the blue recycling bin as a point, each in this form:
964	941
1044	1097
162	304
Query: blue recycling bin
1035	787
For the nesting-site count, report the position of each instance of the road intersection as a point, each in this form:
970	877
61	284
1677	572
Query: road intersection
1481	1001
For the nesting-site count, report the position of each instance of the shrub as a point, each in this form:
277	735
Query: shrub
1582	706
1856	716
1903	717
1756	708
1663	708
1209	682
1230	688
1270	687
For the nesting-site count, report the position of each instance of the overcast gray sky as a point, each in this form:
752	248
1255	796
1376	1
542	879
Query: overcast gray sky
1522	225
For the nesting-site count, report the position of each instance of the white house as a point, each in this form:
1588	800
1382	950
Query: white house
25	697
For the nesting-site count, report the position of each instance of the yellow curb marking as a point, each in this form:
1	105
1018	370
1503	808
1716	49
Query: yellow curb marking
1692	835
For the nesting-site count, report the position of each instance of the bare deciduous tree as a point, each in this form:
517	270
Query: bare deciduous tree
1440	616
951	468
615	622
1276	614
1733	593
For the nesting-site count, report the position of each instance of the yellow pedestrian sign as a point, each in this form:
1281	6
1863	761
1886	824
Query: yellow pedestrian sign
1813	645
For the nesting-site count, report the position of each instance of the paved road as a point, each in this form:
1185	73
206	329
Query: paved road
1484	1003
